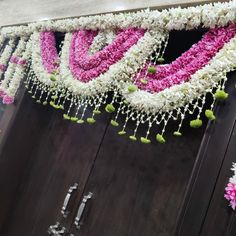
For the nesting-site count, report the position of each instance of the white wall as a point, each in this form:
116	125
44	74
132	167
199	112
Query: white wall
19	11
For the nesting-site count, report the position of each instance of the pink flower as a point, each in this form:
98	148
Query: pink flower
2	67
8	99
230	194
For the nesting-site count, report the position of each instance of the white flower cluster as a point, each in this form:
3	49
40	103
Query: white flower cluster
6	54
233	178
203	81
208	15
124	69
103	38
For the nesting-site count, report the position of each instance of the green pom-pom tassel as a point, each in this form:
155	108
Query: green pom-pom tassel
143	81
61	107
74	119
56	106
126	102
114	123
96	112
132	88
152	70
38	101
66	117
80	121
221	95
54	97
145	140
161	60
52	103
160	138
91	120
122	132
133	138
33	97
196	123
209	114
53	78
177	134
110	108
45	103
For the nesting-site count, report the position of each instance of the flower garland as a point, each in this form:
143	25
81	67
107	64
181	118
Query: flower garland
207	16
230	190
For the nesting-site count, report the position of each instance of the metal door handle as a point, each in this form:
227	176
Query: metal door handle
81	209
64	210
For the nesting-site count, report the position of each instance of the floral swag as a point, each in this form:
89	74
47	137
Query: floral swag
123	54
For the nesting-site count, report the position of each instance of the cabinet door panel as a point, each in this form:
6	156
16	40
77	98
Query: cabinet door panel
42	156
138	189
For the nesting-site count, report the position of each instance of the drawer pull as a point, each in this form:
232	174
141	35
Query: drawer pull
64	210
81	209
56	230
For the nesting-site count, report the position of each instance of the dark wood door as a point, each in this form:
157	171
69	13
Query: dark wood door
42	156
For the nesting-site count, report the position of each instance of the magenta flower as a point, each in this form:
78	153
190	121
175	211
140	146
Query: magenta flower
230	194
2	67
8	99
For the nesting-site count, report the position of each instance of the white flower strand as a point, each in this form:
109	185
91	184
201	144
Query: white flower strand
6	54
203	81
19	72
8	75
102	39
208	15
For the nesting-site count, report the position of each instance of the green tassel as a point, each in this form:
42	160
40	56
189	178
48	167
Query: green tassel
91	120
52	103
122	132
132	88
177	134
209	114
45	103
74	119
221	95
196	123
61	107
133	138
114	123
53	78
152	70
161	60
143	81
145	140
110	108
96	112
160	138
38	101
54	97
80	121
66	117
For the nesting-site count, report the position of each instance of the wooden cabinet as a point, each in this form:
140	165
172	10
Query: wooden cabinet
171	189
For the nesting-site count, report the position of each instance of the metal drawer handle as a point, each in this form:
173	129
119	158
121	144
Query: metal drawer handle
64	210
81	209
56	230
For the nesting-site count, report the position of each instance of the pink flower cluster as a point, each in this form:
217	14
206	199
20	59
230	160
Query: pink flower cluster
188	63
50	57
5	98
2	67
18	61
230	194
85	66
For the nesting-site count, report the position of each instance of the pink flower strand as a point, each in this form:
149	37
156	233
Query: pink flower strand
84	66
50	57
188	63
230	194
